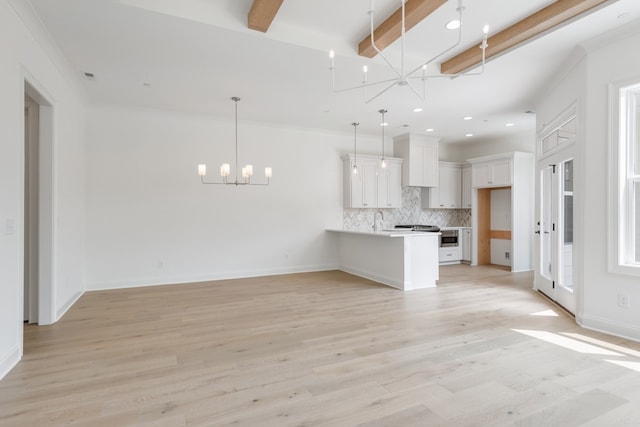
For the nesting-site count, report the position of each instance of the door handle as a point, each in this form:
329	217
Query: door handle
537	231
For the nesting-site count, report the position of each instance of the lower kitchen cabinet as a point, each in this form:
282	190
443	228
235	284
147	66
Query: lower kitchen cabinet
449	255
465	244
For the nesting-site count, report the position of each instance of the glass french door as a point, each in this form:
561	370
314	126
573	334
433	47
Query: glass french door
555	219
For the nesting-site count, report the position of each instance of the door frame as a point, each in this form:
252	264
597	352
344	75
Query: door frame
553	288
46	202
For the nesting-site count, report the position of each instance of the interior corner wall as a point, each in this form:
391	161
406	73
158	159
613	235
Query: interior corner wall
150	220
25	55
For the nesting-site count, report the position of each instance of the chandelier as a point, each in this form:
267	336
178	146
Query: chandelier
404	77
225	169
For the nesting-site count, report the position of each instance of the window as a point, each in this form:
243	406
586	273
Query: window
625	161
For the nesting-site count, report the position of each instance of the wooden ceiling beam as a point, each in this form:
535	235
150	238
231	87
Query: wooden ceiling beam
262	14
532	26
389	30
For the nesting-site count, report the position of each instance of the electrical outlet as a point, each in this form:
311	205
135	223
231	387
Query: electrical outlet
623	301
160	265
507	255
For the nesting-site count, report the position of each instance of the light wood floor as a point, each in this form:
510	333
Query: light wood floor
323	349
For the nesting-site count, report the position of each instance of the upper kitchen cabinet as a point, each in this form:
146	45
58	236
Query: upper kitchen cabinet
390	184
373	186
448	194
491	173
420	154
466	186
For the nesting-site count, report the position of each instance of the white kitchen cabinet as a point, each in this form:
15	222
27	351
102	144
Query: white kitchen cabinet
448	194
514	170
465	244
449	255
420	154
492	173
390	184
372	186
466	187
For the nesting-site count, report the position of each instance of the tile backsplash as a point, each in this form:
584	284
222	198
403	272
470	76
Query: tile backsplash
410	213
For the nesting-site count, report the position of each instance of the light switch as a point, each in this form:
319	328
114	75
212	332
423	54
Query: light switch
9	226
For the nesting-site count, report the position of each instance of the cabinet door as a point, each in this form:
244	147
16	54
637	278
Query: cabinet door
393	181
466	187
430	168
481	175
455	187
466	245
363	185
501	173
448	192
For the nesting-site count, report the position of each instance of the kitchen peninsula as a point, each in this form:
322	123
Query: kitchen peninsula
405	260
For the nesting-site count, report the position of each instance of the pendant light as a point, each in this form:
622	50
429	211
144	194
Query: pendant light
225	169
355	164
383	124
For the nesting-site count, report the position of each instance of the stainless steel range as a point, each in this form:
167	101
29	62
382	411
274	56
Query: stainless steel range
420	227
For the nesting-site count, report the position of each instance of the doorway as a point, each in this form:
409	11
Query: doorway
555	222
494	226
38	213
31	197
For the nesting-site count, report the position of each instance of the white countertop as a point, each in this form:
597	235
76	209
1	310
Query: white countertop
386	233
453	228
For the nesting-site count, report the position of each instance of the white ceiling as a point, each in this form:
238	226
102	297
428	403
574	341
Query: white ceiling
195	54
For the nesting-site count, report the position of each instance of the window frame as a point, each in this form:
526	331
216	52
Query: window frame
623	179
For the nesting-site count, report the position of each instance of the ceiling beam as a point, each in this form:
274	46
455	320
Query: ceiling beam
262	14
389	30
517	34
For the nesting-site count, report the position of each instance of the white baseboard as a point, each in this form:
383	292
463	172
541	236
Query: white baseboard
622	330
376	278
62	310
9	361
173	280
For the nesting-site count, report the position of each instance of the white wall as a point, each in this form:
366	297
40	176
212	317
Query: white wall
462	151
26	52
606	64
151	221
607	61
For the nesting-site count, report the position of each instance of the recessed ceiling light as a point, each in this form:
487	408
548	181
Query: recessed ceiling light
509	124
417	110
430	130
469	134
384	124
467	118
453	24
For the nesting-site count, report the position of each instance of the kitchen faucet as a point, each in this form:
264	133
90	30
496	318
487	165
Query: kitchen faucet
375	223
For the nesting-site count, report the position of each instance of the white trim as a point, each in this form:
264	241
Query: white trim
623	330
376	278
48	195
9	361
565	116
66	306
176	280
617	215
